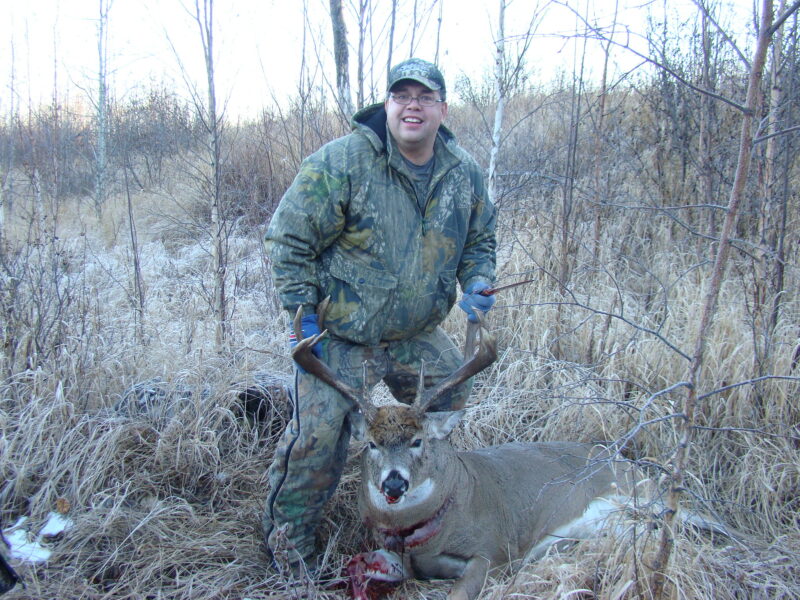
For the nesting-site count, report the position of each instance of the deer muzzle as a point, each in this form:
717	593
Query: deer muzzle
394	486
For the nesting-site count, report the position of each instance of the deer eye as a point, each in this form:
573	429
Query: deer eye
372	445
417	443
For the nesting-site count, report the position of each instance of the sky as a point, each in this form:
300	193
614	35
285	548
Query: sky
52	44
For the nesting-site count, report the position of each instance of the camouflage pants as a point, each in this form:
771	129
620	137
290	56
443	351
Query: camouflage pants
311	455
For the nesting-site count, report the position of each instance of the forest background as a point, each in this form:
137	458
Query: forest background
646	176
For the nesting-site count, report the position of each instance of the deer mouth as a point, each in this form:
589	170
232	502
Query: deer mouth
398	540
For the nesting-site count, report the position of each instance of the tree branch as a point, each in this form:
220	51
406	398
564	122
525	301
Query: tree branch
782	18
656	63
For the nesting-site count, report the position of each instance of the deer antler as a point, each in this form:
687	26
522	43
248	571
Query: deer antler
486	355
303	356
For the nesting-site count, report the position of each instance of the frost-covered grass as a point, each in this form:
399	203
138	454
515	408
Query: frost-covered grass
165	500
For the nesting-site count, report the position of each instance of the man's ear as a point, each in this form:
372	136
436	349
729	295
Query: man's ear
438	425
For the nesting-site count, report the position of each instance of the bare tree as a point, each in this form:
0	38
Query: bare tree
341	58
101	157
412	45
6	181
439	21
686	425
138	280
204	17
706	125
500	97
363	23
508	70
569	209
773	213
599	135
390	48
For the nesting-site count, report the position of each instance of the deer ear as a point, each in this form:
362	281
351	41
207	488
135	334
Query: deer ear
440	424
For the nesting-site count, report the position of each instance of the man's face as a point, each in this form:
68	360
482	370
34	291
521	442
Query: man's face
413	126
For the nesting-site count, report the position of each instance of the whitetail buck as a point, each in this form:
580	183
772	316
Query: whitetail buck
457	515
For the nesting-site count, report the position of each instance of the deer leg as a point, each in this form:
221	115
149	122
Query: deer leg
471	582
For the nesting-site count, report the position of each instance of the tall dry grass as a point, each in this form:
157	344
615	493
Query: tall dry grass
166	499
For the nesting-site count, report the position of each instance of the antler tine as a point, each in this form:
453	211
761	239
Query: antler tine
304	357
421	382
485	356
298	326
368	409
322	310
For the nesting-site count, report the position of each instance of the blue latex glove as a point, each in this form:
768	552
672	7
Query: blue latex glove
310	328
472	300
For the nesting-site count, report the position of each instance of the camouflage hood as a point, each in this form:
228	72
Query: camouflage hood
350	227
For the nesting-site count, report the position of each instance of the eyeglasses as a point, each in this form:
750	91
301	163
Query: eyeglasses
424	100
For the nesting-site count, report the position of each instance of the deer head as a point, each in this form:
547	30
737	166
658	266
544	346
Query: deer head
406	444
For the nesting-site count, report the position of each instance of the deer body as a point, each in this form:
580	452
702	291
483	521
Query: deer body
499	504
464	513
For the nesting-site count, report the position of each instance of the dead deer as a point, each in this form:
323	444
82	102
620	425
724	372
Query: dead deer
456	515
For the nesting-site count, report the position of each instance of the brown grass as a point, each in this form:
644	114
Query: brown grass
167	503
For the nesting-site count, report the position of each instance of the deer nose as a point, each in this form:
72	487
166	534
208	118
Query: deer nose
394	486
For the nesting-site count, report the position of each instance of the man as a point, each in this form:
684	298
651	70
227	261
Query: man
384	221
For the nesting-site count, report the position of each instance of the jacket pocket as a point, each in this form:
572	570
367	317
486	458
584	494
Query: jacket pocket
419	305
358	294
445	298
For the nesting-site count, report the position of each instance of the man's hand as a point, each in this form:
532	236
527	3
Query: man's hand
473	300
310	328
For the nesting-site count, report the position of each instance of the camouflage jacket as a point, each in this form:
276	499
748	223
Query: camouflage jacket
350	227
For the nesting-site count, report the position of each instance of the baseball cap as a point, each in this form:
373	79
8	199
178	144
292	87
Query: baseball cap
420	71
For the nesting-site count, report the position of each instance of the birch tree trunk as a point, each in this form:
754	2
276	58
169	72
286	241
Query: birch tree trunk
363	9
101	158
219	239
500	97
341	58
